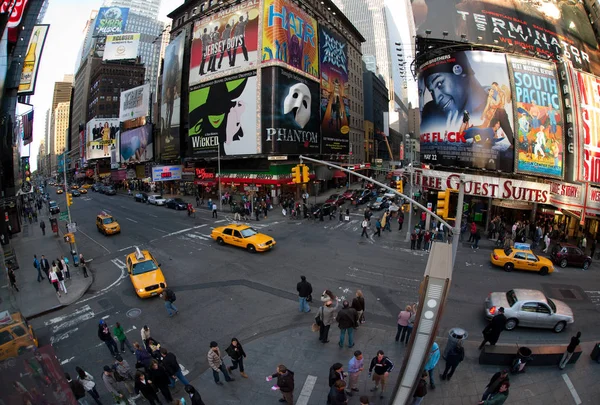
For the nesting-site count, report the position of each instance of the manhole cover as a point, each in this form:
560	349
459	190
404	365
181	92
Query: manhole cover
134	313
567	294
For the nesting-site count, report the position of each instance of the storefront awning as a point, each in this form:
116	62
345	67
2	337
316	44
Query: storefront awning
338	174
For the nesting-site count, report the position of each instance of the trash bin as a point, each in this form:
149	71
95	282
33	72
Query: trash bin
523	357
455	335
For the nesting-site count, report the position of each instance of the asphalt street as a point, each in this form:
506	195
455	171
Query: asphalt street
224	291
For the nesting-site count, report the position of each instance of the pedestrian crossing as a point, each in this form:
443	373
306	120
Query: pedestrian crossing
594	297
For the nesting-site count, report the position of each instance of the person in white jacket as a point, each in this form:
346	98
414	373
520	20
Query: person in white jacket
88	383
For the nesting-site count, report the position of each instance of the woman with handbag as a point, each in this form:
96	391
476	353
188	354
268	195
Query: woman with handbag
326	315
145	387
88	383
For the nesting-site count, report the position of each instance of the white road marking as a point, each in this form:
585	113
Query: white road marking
374	273
129	219
71	320
183	230
85	308
307	389
125	248
184	370
105	210
66	361
196	236
103	291
57	338
152	215
92	239
571	388
219	221
106	317
160	230
132	329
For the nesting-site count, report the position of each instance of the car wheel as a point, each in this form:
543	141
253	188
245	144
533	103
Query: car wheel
586	265
544	271
511	324
508	267
559	327
220	241
251	248
563	263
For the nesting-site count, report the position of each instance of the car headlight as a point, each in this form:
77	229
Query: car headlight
140	290
262	245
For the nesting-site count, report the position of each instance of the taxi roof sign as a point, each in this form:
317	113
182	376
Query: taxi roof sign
523	246
5	318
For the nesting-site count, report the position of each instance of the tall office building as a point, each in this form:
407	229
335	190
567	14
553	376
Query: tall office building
62	94
145	8
61	126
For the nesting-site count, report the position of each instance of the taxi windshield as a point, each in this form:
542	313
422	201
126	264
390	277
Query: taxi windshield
107	221
248	232
143	267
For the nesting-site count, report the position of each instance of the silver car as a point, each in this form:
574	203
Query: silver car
156	199
529	308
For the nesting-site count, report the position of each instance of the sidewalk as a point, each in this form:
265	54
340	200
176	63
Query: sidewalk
300	351
37	298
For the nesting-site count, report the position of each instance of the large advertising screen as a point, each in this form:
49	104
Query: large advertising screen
110	21
223	117
538	116
170	107
32	60
290	35
135	103
136	145
290	113
467	116
588	113
558	29
335	105
103	138
225	40
121	47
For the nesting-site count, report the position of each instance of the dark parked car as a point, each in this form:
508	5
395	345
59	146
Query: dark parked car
96	187
326	208
54	209
75	193
335	199
109	190
363	196
565	254
141	197
176	204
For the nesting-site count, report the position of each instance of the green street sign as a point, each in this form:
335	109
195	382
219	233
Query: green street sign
64	216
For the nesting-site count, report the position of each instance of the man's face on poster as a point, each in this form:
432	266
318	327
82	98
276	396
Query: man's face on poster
449	91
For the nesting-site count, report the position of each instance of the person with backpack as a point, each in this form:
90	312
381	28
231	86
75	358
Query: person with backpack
169	296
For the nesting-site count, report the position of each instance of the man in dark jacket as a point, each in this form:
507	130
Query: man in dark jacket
106	337
76	387
336	373
453	359
347	320
491	333
304	291
494	384
382	366
169	361
337	396
285	384
421	390
570	350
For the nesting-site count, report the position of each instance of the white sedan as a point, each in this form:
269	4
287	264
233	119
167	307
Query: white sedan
156	199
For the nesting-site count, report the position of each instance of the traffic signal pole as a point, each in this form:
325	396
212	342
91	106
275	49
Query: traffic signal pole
74	244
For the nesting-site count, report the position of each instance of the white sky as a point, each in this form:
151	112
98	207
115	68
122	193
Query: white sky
67	20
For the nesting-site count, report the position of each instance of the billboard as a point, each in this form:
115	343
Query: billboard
290	113
467	117
136	145
134	103
120	47
170	107
110	21
560	30
587	90
224	41
32	59
538	116
223	117
335	105
102	138
290	35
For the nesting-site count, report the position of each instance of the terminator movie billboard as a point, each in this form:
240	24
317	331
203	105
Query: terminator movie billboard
225	40
538	116
587	90
558	29
102	138
467	117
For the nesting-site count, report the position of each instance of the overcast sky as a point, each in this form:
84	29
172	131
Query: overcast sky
67	20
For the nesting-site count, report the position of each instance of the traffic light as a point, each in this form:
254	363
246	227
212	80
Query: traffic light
69	199
452	204
446	204
296	174
442	206
69	238
399	186
305	174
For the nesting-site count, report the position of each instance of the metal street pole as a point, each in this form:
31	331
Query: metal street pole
410	208
219	170
458	220
74	244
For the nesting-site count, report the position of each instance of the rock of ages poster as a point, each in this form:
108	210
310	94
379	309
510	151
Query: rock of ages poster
539	146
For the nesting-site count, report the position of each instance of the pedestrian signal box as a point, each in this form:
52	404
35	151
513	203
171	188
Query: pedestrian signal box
69	238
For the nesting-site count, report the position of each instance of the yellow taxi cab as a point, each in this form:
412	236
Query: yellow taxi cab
83	190
145	274
242	236
59	191
521	257
106	224
86	186
16	335
75	187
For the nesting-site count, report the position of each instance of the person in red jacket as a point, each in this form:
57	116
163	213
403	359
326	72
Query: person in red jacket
473	232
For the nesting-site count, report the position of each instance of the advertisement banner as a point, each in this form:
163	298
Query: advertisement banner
559	30
110	21
136	145
16	8
170	107
32	60
166	173
335	105
587	89
102	138
290	35
540	145
572	149
231	34
223	117
466	119
120	47
134	103
290	122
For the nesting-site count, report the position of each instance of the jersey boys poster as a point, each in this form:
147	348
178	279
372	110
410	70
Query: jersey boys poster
587	88
290	35
290	123
223	117
539	125
466	120
224	41
335	105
